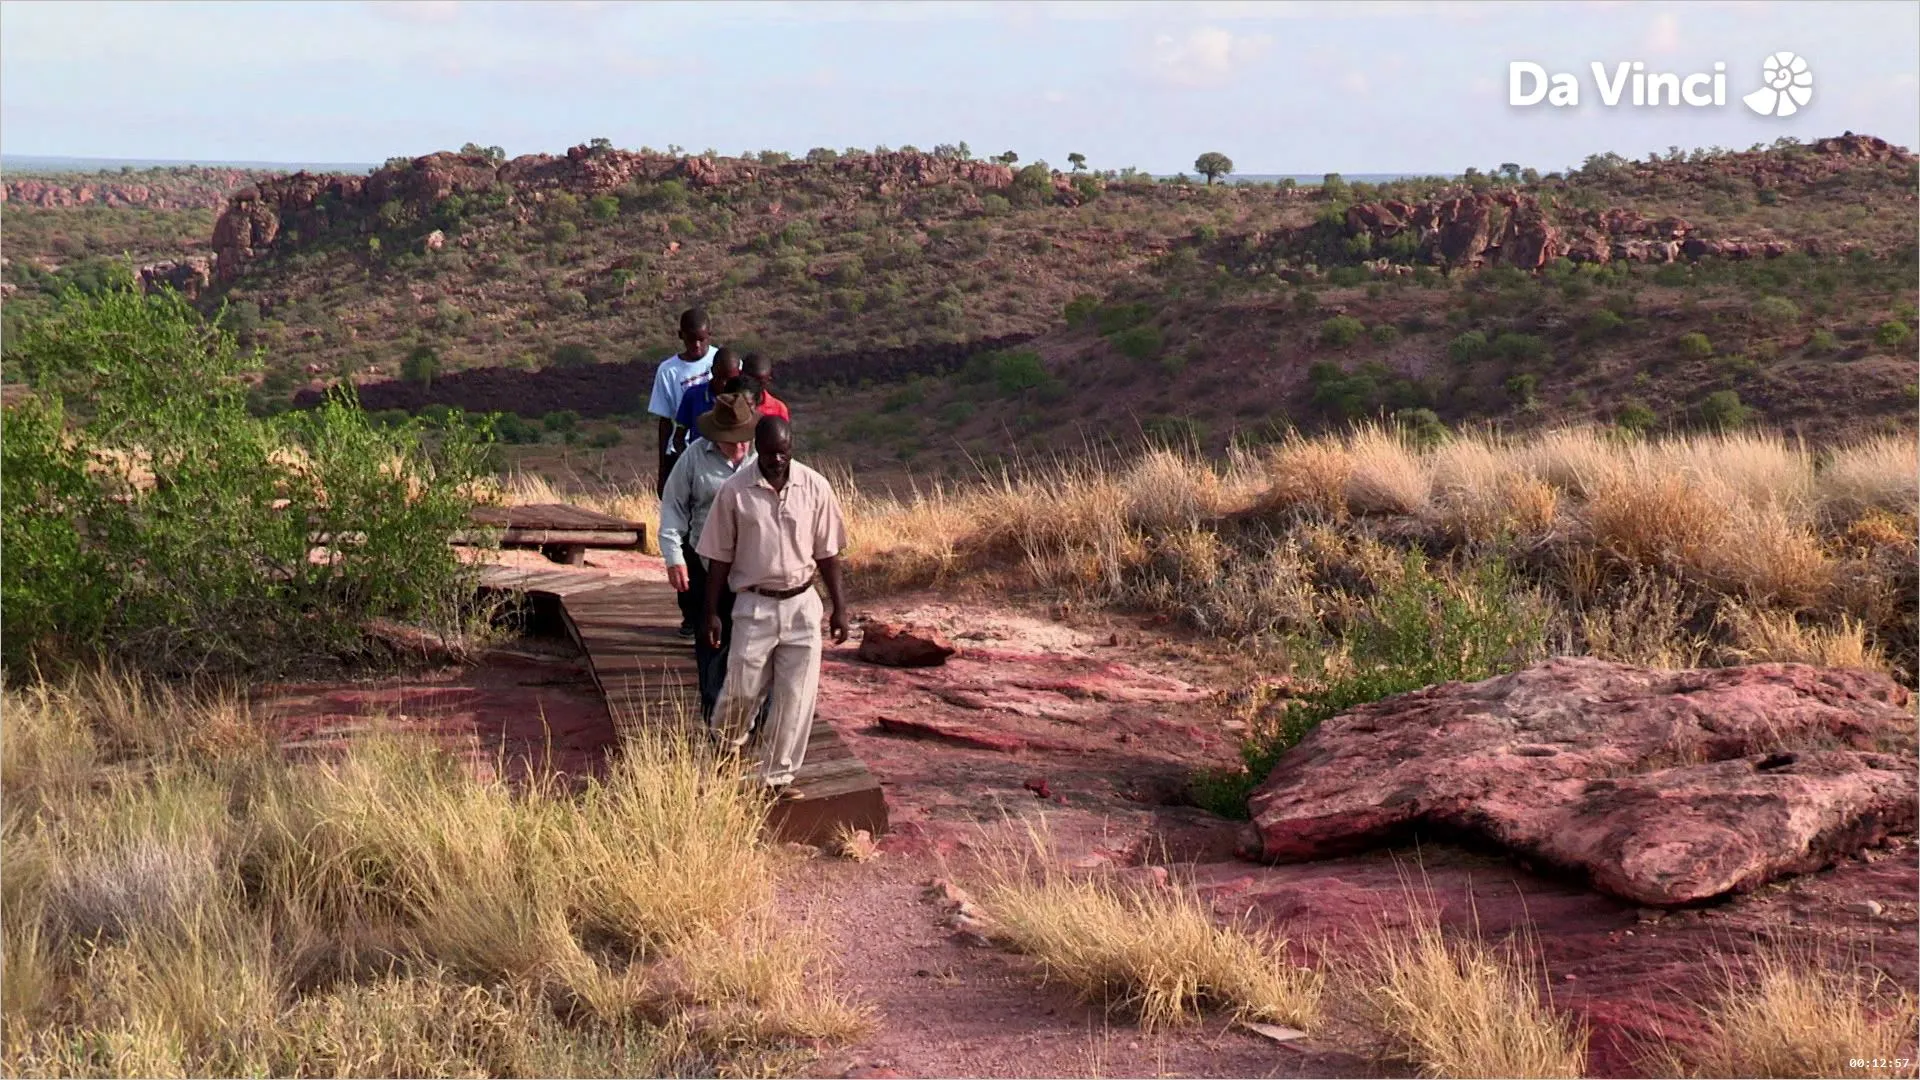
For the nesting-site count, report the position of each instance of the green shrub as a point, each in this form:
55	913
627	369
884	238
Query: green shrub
1081	309
513	428
1694	346
1113	318
1385	334
1723	409
1016	372
1775	311
1468	347
421	365
1600	324
187	559
1347	276
1341	331
1892	334
1178	432
1519	348
1138	342
1636	417
1524	389
1174	363
561	421
1420	630
603	208
1822	342
1421	427
955	413
907	397
573	354
604	439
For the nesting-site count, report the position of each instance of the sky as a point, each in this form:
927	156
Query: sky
1363	87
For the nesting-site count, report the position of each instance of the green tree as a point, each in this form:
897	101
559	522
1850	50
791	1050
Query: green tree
1077	160
1008	158
148	515
600	144
1213	164
421	365
1723	409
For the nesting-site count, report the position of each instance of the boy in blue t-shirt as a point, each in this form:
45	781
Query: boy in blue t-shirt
699	399
676	375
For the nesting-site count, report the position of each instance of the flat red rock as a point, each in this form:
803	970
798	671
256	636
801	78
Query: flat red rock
904	646
1660	787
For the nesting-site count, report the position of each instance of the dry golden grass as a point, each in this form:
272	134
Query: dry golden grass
1878	474
177	902
1644	623
1761	636
1482	491
1461	1008
1156	953
1384	474
1797	1018
1309	474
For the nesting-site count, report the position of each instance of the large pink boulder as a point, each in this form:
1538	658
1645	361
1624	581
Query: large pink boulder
1661	787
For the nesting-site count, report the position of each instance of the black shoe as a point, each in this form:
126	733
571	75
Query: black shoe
686	629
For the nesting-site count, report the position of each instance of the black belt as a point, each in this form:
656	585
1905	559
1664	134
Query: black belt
780	594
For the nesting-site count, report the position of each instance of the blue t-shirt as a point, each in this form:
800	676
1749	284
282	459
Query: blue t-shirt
697	399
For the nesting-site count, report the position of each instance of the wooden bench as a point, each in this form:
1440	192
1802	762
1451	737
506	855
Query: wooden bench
645	673
563	533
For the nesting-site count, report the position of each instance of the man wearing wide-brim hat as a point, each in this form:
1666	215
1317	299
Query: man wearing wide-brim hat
724	447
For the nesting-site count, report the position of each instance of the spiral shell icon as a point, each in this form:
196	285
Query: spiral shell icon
1787	85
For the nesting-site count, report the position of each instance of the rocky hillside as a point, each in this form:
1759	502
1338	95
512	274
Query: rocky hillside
175	187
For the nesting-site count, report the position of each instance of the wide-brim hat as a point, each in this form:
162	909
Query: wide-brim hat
732	419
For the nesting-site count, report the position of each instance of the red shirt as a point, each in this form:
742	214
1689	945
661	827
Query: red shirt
773	406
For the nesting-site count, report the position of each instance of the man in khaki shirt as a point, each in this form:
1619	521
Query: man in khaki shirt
773	529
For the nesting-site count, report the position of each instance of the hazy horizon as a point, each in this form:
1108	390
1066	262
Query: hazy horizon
1384	88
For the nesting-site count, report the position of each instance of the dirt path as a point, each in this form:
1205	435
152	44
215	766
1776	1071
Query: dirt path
1090	729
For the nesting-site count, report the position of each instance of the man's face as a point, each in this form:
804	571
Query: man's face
721	376
776	453
733	451
695	340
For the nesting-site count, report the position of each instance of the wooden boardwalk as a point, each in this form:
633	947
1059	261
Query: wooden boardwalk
644	670
563	532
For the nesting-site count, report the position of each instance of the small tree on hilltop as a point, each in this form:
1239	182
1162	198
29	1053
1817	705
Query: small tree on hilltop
421	365
1213	164
1077	160
1008	158
600	144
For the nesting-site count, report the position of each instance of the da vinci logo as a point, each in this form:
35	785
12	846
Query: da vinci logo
1787	86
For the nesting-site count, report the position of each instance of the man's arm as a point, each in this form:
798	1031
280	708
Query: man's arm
836	622
676	518
717	572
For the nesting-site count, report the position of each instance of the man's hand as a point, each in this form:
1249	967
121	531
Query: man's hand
677	577
713	632
837	625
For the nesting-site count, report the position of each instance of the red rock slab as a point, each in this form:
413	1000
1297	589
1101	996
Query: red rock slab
1660	787
904	646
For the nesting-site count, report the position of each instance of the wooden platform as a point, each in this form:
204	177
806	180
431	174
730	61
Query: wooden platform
644	670
563	532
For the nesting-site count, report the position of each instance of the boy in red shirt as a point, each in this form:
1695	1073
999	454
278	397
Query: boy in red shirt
758	372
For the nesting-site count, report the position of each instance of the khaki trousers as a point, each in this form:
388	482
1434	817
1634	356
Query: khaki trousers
776	649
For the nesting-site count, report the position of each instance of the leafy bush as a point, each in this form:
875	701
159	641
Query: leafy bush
1600	324
1385	334
1519	348
1892	334
1723	409
573	354
1822	342
1524	389
1694	346
603	208
1015	372
1113	318
1636	417
1468	347
1775	311
1138	343
147	514
1421	630
1178	432
561	421
1422	427
421	365
513	428
1341	331
1080	310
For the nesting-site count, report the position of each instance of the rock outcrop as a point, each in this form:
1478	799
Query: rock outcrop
178	188
189	276
308	205
1660	787
904	646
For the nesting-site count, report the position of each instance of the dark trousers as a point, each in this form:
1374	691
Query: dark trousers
711	664
693	601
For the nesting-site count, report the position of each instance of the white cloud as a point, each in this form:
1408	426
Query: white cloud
1354	82
1664	35
1206	56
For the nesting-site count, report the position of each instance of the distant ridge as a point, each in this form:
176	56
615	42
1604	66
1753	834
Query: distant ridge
36	163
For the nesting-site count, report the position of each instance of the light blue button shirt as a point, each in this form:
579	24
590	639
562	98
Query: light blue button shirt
691	486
